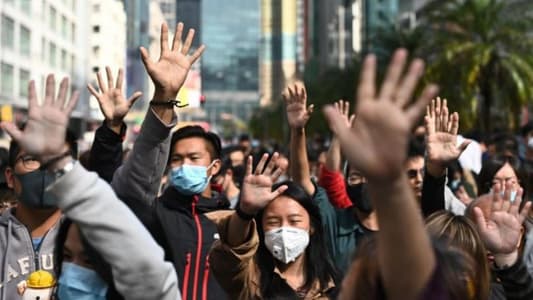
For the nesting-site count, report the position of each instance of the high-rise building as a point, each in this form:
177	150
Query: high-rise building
190	13
377	15
37	38
279	50
137	35
168	8
230	30
107	41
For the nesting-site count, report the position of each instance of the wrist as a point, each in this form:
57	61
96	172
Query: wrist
114	125
246	212
161	95
298	130
503	261
435	169
60	164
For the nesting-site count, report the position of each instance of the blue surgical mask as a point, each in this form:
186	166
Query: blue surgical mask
189	179
80	283
33	189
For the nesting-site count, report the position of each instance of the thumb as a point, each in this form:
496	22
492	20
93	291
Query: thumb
12	130
134	98
463	145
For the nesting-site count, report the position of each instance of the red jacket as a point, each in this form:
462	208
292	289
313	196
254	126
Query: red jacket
335	186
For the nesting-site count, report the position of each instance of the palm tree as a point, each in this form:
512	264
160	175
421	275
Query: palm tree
479	51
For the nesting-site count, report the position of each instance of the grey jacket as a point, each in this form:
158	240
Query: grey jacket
137	262
17	254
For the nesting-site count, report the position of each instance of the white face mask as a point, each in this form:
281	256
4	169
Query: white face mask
512	196
530	142
286	243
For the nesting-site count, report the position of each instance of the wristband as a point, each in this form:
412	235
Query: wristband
168	103
53	160
243	215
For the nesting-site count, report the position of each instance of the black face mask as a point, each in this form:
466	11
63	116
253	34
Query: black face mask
34	193
358	193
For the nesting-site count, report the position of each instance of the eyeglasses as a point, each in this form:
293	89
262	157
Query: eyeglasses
29	162
413	173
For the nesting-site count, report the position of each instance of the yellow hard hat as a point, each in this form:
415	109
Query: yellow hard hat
41	279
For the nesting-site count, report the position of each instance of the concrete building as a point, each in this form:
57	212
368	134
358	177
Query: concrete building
190	13
168	8
107	41
37	38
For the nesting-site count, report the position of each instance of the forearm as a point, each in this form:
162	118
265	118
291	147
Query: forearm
433	196
516	281
165	113
238	230
106	151
299	166
333	156
110	227
402	239
140	176
333	183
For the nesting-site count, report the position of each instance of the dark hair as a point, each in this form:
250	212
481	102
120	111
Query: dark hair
98	263
504	143
230	149
415	148
70	139
492	165
237	171
213	141
318	263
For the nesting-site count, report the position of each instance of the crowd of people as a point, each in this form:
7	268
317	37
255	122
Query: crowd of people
386	209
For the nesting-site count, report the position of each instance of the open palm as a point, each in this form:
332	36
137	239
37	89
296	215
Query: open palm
501	230
383	121
44	133
113	104
170	71
256	191
298	113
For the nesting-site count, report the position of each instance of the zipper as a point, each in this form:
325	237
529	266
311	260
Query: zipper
198	248
186	276
206	278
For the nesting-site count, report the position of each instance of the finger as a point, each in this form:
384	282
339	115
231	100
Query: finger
303	92
394	73
278	192
62	96
271	164
109	77
432	109
524	212
464	145
438	115
334	118
416	109
134	97
120	79
454	126
147	61
346	108
249	166
445	116
291	95
337	105
188	42
515	206
481	222
497	200
32	95
50	90
277	174
352	120
261	165
196	55
429	124
176	44
164	38
408	85
72	103
367	85
310	109
11	129
101	84
507	197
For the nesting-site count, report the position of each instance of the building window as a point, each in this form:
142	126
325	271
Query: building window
25	6
64	58
8	32
6	81
24	79
64	27
96	69
72	65
73	33
52	55
25	41
52	21
96	51
43	49
96	28
96	8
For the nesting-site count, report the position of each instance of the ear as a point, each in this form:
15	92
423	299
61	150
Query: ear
10	177
215	167
311	230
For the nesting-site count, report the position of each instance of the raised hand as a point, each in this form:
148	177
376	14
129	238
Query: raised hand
333	156
441	136
111	99
170	71
256	191
501	230
384	120
298	113
44	133
343	107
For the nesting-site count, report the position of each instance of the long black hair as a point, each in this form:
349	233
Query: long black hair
318	263
98	263
492	165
